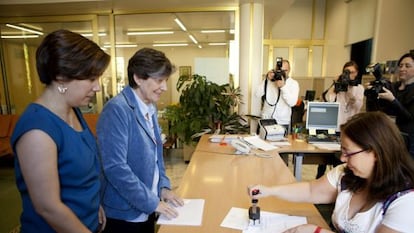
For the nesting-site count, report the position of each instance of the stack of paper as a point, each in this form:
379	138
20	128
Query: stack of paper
259	143
217	138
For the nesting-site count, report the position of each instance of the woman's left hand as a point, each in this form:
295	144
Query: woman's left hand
387	95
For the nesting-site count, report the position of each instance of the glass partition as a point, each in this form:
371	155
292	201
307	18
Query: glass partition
120	35
19	41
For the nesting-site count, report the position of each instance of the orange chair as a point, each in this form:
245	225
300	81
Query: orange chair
91	119
7	124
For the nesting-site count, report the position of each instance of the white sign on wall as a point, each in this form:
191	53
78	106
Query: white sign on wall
216	69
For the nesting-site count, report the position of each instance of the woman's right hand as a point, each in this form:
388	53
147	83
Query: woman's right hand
167	210
262	191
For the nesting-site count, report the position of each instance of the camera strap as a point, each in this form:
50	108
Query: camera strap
264	97
326	91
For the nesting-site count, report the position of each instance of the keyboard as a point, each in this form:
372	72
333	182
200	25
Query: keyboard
322	139
328	146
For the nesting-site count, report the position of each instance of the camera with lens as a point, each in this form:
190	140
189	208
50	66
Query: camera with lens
279	73
379	81
344	80
341	84
373	103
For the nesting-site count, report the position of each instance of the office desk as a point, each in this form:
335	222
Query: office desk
222	179
298	148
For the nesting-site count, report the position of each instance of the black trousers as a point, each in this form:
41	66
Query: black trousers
121	226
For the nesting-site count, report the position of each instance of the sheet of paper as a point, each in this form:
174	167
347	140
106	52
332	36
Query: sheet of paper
217	138
237	218
328	146
280	143
190	214
259	143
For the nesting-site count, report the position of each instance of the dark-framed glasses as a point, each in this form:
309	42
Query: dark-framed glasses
346	154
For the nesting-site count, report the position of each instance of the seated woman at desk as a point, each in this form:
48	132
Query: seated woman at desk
373	190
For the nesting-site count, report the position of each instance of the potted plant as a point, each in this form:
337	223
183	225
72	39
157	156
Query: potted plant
204	107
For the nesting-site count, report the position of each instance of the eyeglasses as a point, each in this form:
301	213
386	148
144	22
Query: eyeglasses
353	71
345	154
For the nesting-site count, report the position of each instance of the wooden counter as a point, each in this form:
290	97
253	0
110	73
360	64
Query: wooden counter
222	179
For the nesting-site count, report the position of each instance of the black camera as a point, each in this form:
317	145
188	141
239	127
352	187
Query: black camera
372	101
343	81
379	81
279	73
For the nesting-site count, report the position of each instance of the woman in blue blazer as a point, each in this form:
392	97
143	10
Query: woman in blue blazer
135	186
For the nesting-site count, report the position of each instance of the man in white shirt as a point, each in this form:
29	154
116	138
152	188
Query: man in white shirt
279	93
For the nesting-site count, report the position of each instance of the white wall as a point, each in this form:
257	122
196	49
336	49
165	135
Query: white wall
394	30
185	56
335	51
216	69
296	23
360	20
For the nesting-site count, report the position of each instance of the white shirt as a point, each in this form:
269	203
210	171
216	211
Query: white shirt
346	109
282	110
398	216
148	110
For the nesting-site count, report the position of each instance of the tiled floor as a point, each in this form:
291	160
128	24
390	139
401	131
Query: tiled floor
175	168
9	197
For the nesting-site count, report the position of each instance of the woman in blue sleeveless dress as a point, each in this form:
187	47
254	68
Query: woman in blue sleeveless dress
57	167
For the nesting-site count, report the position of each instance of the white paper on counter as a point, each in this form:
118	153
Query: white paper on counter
237	218
190	214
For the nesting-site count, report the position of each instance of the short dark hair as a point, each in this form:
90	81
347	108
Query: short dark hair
410	55
394	168
70	55
148	62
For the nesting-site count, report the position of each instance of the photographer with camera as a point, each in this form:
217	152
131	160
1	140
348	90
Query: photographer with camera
373	102
402	102
348	93
279	93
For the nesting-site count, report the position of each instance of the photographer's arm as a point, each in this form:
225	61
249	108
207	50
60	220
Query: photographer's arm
290	92
403	112
330	95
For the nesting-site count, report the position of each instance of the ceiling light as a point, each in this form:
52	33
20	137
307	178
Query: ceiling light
193	39
89	34
19	36
121	46
149	33
24	29
180	24
199	46
31	26
13	2
173	44
217	43
213	31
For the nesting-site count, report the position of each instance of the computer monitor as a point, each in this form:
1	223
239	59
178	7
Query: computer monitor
322	116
